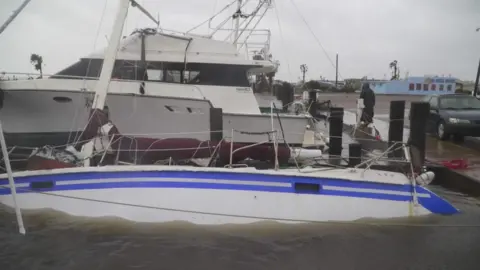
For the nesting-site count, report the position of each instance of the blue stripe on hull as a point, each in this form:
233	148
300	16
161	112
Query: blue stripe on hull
149	184
434	204
214	175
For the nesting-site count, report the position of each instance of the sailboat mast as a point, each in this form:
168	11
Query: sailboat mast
14	15
237	22
101	88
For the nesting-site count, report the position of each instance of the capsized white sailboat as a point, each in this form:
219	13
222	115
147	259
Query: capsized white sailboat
223	195
215	195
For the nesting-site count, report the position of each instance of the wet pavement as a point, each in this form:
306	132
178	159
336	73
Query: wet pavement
436	150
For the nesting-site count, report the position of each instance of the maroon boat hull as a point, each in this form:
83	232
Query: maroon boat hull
142	150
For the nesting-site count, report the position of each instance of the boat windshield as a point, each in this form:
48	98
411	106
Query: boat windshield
169	72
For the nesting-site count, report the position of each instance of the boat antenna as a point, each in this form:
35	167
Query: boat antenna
237	21
142	9
159	29
211	18
252	16
14	15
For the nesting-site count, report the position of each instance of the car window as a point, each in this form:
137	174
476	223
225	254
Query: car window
460	103
426	99
434	103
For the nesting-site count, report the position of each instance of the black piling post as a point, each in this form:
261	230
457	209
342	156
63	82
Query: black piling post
335	132
395	128
419	112
216	124
354	154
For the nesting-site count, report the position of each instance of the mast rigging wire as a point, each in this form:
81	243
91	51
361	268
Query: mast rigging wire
315	36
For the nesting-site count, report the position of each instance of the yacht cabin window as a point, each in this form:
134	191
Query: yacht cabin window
169	72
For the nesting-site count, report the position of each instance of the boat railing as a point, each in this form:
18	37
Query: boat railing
203	145
32	76
275	143
305	166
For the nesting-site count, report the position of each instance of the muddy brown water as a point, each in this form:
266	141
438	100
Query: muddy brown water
57	241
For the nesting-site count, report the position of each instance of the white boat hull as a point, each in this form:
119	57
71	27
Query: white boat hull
220	196
37	115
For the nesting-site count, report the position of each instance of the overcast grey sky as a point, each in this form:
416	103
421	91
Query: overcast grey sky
425	36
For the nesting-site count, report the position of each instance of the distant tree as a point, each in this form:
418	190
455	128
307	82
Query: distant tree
303	69
350	86
395	71
37	62
312	84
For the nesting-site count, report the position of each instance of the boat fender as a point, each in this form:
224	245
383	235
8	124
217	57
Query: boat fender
102	142
425	178
304	154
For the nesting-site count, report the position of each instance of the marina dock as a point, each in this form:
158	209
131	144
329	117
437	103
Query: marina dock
465	180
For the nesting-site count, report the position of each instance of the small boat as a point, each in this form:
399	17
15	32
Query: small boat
223	195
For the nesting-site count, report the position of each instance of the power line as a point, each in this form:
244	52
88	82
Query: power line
284	49
313	34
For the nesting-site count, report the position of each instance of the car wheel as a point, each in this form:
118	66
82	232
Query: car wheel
441	134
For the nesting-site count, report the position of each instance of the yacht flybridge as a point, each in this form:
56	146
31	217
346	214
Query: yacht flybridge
161	84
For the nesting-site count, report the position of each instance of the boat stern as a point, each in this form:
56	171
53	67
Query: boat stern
434	203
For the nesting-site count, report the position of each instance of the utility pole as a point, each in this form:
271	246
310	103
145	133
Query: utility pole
475	88
336	72
303	69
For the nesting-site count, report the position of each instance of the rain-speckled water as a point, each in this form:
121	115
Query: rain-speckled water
58	241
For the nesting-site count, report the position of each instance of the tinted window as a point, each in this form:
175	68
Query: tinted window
434	102
426	99
455	102
91	68
218	74
80	69
127	70
192	73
